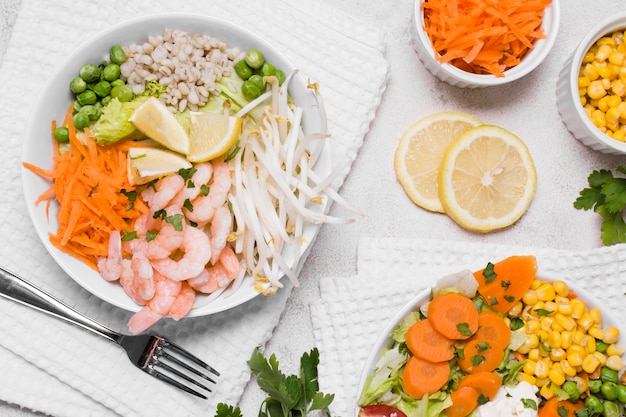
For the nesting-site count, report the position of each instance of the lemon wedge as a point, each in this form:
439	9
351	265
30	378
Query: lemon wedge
211	135
487	179
155	121
420	151
146	164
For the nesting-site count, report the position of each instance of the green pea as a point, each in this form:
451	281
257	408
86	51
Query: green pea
102	89
90	111
87	97
77	106
81	120
78	85
280	74
594	404
601	346
608	374
609	390
61	134
111	72
254	58
258	81
611	409
123	93
267	69
595	385
117	54
243	70
621	393
117	83
90	73
250	90
571	389
105	101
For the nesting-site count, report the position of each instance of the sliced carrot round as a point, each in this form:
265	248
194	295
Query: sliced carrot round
464	401
426	343
453	315
421	377
491	327
486	383
479	355
557	408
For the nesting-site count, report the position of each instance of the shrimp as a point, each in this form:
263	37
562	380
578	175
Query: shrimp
204	207
220	229
183	303
197	253
126	281
167	188
165	294
143	280
168	238
222	273
201	177
110	267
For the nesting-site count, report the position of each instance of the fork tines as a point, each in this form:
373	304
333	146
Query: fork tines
175	365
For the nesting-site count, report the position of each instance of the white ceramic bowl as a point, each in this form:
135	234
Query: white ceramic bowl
56	97
457	77
568	100
384	341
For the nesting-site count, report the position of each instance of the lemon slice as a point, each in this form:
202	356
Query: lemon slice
147	164
211	135
420	151
155	121
487	179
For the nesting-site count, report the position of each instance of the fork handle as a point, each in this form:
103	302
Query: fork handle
22	291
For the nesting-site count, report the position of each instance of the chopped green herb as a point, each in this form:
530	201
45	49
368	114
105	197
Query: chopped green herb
477	359
143	155
482	399
176	220
494	301
562	411
516	323
489	273
460	353
127	236
187	204
464	329
509	298
528	403
204	190
187	173
94	188
233	152
505	284
159	214
542	312
151	235
483	346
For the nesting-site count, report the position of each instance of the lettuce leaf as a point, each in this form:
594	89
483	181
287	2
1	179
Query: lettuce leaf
113	124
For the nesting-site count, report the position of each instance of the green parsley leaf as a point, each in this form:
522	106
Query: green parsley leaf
94	188
505	284
483	346
477	359
509	298
204	190
160	214
187	204
150	236
489	273
494	301
542	312
464	329
562	411
128	236
224	410
482	399
187	173
176	220
528	403
460	353
516	323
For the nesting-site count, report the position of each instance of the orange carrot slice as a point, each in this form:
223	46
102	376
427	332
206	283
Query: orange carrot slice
559	408
453	315
478	356
464	401
491	327
486	383
426	343
421	377
504	283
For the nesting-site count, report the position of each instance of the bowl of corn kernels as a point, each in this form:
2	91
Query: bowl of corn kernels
591	89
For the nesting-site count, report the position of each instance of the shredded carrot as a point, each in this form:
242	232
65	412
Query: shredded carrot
90	185
483	36
425	342
453	315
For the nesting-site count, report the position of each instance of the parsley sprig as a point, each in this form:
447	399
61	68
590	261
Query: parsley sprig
288	395
606	195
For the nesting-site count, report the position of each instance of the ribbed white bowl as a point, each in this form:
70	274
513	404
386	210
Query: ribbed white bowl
568	100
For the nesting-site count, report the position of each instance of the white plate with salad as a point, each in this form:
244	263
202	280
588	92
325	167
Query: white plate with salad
463	368
57	97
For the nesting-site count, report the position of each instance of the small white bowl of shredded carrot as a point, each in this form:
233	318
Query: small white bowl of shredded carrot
591	88
481	44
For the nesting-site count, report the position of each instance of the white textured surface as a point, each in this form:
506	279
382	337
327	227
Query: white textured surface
352	311
86	375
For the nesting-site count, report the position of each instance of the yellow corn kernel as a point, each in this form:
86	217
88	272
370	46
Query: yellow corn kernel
568	369
542	367
535	283
516	310
614	362
554	339
558	354
578	308
596	316
546	292
583	98
598	118
622	109
566	339
547	391
590	344
529	367
612	117
532	341
528	378
557	327
611	335
590	363
615	70
591	72
606	41
589	57
551	306
616	57
606	79
619	135
546	323
585	321
534	354
596	332
564	321
613	101
615	349
565	309
533	326
583	82
601	357
530	297
561	289
557	376
603	104
575	357
540	382
542	335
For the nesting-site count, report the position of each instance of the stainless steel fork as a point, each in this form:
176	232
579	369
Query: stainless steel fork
152	354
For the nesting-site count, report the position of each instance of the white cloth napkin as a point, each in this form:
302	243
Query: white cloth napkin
55	368
353	310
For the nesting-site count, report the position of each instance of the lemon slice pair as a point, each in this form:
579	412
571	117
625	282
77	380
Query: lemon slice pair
210	136
482	176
